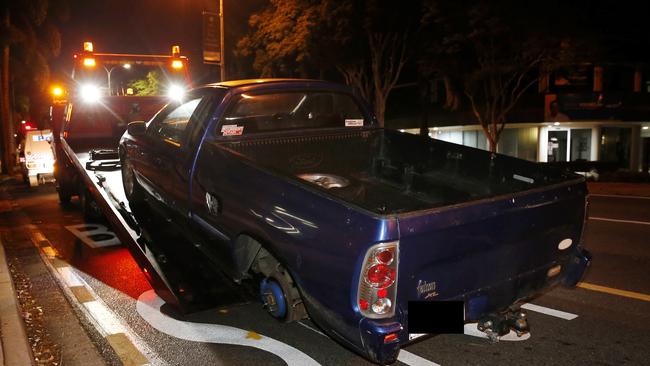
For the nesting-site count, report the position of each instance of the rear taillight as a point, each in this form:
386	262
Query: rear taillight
378	281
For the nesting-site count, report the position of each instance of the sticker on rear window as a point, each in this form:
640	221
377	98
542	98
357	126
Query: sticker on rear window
232	130
354	123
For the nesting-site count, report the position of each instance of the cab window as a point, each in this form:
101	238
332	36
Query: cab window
171	128
253	113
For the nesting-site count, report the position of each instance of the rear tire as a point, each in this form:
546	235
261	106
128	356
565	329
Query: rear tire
281	297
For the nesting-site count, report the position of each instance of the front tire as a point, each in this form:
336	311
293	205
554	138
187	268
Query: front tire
33	181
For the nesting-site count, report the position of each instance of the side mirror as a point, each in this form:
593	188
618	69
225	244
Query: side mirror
136	128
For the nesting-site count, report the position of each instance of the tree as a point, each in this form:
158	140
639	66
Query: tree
150	85
29	38
490	61
281	38
366	43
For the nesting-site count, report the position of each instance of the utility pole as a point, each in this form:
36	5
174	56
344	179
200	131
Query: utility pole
7	141
223	43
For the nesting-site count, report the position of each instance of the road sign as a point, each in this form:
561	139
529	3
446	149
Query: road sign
211	38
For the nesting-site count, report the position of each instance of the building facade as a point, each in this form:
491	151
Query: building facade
586	112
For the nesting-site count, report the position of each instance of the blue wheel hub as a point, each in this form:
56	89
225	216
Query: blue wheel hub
273	298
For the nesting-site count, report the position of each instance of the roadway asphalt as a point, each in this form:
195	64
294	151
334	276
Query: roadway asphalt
611	327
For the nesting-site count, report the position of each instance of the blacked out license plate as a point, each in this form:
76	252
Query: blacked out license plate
435	317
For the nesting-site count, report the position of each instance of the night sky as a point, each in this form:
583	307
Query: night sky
148	26
152	26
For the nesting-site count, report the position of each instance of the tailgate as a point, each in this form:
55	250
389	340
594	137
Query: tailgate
490	253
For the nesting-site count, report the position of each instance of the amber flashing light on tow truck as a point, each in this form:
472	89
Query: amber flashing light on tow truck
177	64
57	91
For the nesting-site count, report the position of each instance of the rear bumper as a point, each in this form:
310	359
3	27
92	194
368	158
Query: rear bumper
576	267
477	303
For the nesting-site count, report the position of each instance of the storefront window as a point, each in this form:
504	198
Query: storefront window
615	145
580	144
519	142
557	143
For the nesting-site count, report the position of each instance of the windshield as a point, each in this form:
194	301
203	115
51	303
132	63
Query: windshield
129	77
268	112
108	118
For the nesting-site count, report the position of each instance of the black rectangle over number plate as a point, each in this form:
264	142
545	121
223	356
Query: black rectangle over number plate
436	317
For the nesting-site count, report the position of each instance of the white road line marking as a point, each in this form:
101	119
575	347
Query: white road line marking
619	196
618	220
549	311
69	277
413	359
104	318
148	306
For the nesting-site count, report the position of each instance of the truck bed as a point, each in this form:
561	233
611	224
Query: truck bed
388	172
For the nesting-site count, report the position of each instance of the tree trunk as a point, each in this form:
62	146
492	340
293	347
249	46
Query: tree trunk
492	144
8	145
380	108
425	92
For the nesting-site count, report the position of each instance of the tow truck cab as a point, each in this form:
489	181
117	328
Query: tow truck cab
109	91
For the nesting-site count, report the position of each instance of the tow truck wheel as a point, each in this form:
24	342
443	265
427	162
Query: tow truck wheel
132	189
33	181
64	198
89	207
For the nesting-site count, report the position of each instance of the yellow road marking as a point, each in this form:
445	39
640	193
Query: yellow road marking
82	294
58	263
49	251
126	351
253	335
615	291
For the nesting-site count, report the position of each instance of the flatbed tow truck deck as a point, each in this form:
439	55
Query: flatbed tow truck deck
105	187
161	266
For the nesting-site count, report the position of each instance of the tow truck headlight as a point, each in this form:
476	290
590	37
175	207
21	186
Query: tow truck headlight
90	93
176	92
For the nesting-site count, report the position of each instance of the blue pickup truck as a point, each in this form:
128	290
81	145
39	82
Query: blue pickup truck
292	182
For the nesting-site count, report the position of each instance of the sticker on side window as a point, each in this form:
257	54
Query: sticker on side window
232	130
354	123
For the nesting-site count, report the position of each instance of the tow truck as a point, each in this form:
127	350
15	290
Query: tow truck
107	91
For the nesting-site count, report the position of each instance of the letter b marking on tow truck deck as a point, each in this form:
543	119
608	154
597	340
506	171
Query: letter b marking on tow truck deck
94	235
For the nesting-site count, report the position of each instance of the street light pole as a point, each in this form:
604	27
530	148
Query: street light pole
223	50
108	72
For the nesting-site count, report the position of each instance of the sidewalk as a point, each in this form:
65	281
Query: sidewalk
14	347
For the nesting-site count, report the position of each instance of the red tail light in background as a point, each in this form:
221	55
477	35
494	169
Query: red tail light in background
378	281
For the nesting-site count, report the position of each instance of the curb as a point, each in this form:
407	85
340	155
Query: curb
14	347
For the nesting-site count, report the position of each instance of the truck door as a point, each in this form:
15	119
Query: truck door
165	161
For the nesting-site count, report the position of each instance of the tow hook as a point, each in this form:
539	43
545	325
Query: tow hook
499	324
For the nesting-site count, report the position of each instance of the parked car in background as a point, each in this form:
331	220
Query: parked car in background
37	159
